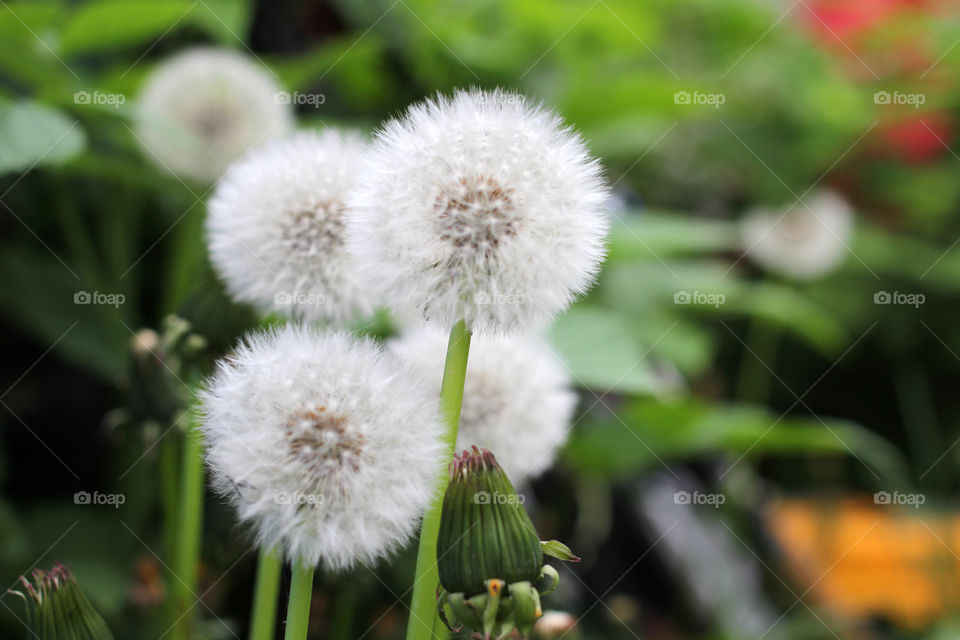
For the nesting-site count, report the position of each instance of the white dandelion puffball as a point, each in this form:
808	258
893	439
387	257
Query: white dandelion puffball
329	446
480	207
802	242
517	398
204	107
275	228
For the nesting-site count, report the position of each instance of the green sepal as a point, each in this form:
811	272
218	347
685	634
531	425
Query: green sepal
558	550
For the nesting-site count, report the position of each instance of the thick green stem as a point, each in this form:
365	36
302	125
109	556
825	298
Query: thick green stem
298	607
189	527
264	616
423	607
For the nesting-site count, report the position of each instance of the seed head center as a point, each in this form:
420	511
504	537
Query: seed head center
476	213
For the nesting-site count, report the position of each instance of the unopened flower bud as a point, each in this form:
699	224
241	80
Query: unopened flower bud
58	608
485	533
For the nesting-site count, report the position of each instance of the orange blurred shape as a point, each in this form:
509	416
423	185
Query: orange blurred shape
864	560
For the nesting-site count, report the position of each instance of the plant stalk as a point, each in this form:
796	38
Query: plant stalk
264	616
190	526
298	606
423	608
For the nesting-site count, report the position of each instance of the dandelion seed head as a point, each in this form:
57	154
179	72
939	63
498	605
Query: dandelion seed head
482	206
329	447
276	228
517	398
203	108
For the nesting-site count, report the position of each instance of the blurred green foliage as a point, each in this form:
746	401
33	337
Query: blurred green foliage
84	210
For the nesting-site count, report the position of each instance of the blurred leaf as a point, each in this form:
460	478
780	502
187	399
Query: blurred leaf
649	235
104	25
601	351
648	431
38	294
34	134
711	289
107	24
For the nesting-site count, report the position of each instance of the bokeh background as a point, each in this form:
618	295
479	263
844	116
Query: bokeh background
772	456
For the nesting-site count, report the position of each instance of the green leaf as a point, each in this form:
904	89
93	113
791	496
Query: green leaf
646	432
601	351
34	134
661	235
108	24
105	25
38	294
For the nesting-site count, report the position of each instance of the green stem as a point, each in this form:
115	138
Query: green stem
170	492
264	616
298	607
423	607
190	525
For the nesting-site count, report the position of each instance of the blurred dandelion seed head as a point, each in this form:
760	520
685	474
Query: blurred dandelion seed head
517	399
805	241
203	108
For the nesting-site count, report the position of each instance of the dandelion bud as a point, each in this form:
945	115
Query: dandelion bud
489	556
484	531
57	607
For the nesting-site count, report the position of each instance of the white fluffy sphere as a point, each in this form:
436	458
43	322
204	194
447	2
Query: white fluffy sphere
205	107
482	207
275	228
517	397
802	242
328	446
